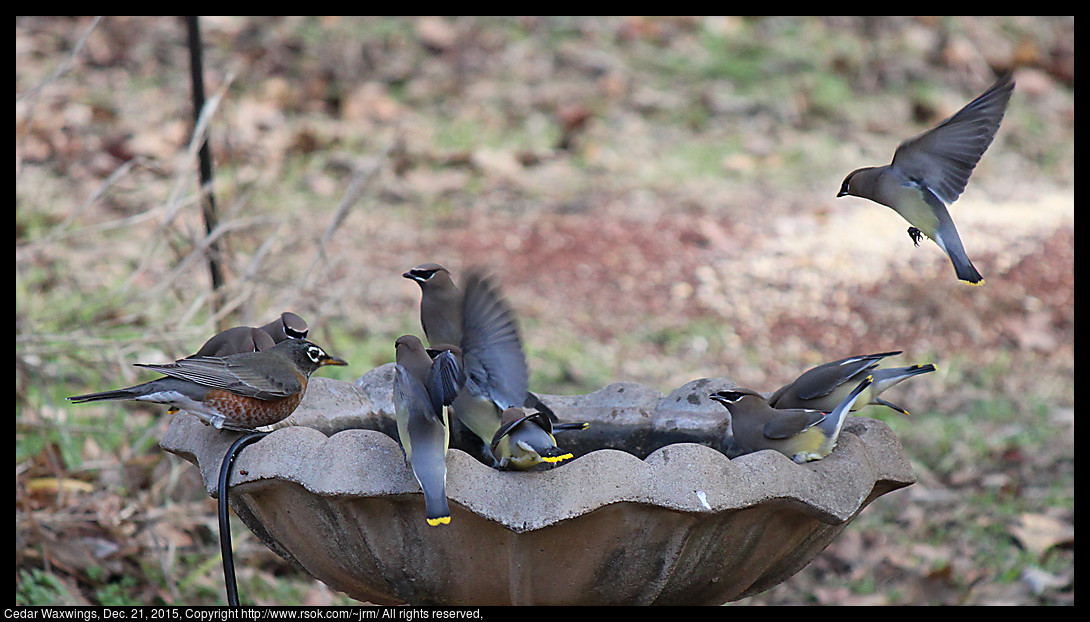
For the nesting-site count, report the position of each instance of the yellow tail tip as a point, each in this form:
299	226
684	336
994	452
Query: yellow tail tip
977	284
557	458
442	520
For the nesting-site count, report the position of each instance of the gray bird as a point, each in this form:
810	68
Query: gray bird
440	303
441	316
929	172
422	386
494	363
249	339
801	434
825	386
524	441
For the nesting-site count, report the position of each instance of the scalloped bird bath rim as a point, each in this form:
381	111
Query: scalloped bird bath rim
649	511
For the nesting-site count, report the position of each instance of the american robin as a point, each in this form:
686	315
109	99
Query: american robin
248	339
236	392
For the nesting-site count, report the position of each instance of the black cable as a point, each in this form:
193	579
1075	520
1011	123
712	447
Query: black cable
224	516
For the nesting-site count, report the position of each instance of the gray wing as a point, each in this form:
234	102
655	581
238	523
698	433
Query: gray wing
825	378
413	395
944	157
445	378
788	423
495	365
830	378
236	374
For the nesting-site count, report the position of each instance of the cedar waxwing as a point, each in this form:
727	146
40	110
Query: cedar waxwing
441	310
440	303
524	441
929	172
825	386
801	434
235	340
287	326
492	358
247	339
421	387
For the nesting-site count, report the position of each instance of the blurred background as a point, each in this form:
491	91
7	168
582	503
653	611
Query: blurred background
657	197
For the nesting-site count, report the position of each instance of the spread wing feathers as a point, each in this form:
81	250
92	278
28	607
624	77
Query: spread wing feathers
495	365
944	157
235	374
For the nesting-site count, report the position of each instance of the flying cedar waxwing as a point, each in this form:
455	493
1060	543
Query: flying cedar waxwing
524	441
801	434
422	386
825	386
441	311
929	172
248	339
492	358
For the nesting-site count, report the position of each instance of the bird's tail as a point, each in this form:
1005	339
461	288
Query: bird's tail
432	476
946	236
555	455
130	393
835	420
965	270
562	427
438	512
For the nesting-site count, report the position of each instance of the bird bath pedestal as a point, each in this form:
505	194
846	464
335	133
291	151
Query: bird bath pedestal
649	511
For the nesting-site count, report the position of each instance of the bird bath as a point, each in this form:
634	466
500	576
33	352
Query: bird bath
649	511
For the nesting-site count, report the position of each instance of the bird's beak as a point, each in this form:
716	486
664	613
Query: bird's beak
332	360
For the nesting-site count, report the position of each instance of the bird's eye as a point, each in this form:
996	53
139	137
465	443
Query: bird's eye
315	353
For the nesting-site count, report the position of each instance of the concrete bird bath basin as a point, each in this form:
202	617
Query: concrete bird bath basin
649	511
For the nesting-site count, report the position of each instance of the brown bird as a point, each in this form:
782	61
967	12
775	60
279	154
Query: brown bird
440	303
801	434
248	339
